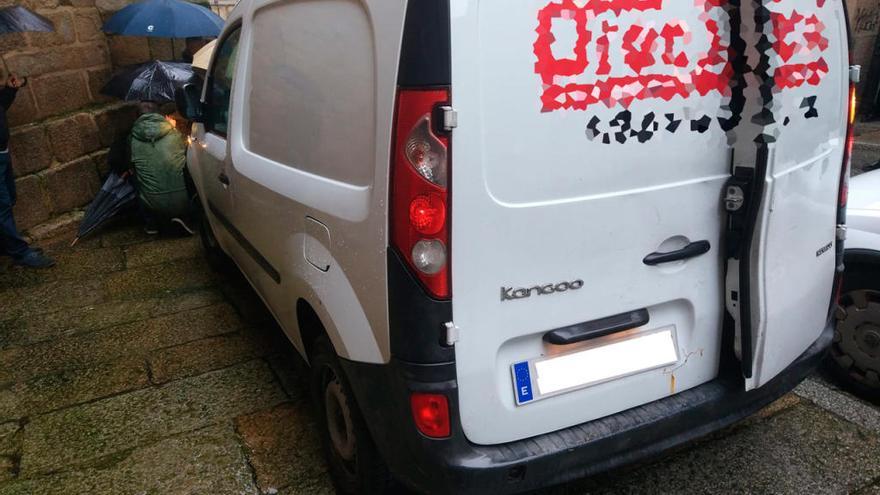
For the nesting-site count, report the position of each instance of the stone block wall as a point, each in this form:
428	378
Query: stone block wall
61	124
864	17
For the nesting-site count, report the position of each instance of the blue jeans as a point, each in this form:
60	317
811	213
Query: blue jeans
10	240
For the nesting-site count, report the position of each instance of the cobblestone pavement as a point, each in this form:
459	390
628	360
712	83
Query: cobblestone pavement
131	369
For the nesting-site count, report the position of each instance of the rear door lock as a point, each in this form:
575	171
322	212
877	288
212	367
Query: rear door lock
734	199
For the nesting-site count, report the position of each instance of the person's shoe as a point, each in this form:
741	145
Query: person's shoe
34	259
4	253
183	225
150	230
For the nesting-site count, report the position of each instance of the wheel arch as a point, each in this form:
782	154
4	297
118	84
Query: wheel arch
310	327
862	269
862	256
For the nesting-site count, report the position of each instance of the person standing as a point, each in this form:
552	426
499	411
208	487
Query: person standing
11	241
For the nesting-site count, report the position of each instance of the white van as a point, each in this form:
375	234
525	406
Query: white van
524	242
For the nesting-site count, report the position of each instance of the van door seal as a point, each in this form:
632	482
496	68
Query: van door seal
743	221
754	198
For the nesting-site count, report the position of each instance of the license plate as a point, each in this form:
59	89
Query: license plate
544	377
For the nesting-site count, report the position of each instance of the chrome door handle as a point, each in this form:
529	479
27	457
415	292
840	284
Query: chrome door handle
223	178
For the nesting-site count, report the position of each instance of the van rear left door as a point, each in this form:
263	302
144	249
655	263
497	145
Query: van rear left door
590	141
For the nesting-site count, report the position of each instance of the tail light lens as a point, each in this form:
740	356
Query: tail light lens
847	154
426	153
843	195
431	414
427	214
420	187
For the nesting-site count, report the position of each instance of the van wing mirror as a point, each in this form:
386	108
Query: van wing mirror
189	103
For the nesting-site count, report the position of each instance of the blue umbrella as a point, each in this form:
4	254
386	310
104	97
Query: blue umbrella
165	19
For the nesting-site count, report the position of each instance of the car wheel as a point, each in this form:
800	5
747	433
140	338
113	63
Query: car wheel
355	464
855	352
217	259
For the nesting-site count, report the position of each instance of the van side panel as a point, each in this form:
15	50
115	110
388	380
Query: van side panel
314	108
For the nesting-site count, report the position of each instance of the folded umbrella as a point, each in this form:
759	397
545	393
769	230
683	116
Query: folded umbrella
115	194
165	19
202	58
152	81
18	19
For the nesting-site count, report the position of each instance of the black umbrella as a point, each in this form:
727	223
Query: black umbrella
19	19
153	81
114	195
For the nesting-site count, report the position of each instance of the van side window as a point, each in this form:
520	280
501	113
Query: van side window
220	91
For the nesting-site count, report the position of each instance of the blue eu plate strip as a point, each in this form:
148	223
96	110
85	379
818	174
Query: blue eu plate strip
523	382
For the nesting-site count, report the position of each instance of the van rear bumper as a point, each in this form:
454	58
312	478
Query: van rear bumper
455	465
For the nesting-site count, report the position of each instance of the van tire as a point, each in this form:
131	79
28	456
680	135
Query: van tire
853	365
356	466
214	255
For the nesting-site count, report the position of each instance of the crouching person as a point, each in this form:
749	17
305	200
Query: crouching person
158	156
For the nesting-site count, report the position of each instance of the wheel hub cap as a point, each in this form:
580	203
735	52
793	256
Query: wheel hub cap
857	344
339	420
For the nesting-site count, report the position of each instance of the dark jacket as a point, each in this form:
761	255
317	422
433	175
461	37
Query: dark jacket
158	153
7	96
119	156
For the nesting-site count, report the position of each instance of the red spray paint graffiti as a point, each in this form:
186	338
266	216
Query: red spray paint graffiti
652	65
801	57
660	58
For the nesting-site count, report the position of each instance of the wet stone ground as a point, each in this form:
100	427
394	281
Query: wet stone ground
131	368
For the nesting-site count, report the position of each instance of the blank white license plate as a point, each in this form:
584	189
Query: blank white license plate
540	378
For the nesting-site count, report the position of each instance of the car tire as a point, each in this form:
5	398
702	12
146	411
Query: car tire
217	259
356	466
855	352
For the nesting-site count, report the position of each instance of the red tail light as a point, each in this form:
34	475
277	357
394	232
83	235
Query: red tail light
843	195
420	187
847	153
431	414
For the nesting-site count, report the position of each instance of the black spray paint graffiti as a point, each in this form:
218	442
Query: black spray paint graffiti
765	117
625	125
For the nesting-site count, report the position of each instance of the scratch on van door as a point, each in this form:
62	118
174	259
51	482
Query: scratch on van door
682	365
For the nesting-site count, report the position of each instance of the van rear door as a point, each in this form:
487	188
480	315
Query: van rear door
788	269
588	167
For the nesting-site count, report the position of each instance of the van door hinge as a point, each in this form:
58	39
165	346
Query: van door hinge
855	74
450	118
451	333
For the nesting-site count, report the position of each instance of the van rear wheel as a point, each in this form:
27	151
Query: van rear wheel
355	464
855	352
